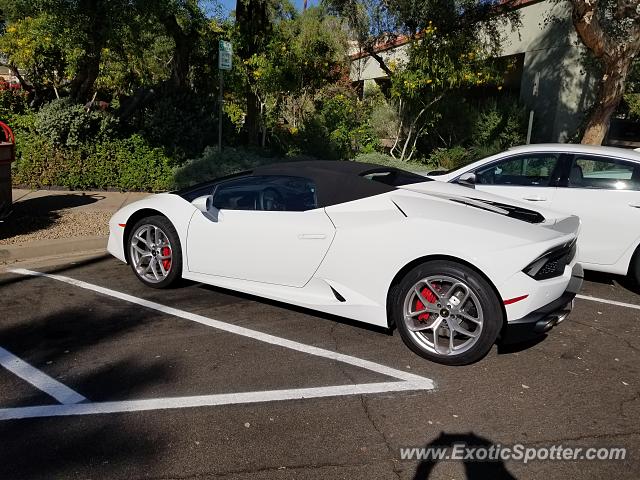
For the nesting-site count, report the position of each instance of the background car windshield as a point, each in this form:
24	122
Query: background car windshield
266	193
603	173
524	170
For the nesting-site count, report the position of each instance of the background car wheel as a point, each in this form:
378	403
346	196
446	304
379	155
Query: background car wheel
634	268
446	312
154	252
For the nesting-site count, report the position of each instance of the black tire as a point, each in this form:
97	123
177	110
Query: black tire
484	294
175	266
634	268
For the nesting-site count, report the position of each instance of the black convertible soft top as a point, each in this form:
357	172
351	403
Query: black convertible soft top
336	181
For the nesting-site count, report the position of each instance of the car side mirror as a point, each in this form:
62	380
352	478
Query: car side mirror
205	205
468	180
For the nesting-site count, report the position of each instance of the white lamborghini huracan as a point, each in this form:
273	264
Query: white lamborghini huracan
453	269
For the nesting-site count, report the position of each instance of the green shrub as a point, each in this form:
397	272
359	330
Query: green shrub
450	158
13	102
211	164
183	123
127	164
388	161
503	123
632	101
65	123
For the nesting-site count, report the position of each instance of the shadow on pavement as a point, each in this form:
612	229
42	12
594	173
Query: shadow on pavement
88	446
15	278
610	279
475	469
40	213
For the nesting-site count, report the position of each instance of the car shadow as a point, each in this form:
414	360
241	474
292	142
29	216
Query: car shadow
34	214
294	308
475	468
611	279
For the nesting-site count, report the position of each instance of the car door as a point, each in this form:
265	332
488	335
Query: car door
532	177
266	229
605	193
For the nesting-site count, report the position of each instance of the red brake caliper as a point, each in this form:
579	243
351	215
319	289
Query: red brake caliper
166	263
430	297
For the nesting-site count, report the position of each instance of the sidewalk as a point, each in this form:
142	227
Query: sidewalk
45	222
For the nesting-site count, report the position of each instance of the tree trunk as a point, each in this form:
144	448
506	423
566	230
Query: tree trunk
252	120
615	52
609	97
184	44
16	73
253	22
85	79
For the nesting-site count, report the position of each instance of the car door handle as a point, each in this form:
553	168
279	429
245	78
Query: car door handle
312	236
634	205
535	199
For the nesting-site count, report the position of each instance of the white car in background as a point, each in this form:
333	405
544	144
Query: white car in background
601	185
367	242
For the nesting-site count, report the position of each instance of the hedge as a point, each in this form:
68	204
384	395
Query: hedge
127	164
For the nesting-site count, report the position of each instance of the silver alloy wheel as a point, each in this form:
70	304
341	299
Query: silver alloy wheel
151	253
443	315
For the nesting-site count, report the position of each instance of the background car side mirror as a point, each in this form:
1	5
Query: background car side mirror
468	179
205	205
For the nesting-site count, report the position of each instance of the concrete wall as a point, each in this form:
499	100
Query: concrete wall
552	59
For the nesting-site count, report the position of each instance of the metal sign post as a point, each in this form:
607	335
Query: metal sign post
225	60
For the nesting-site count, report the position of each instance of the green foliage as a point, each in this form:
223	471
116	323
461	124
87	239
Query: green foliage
127	164
338	129
212	164
632	101
497	123
501	123
42	52
388	161
181	122
63	122
13	102
450	158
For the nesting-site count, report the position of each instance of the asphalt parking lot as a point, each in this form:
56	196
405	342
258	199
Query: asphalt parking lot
105	378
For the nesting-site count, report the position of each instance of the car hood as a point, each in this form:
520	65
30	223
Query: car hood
464	204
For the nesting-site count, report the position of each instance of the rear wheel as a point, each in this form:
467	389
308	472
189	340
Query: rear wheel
446	312
634	267
154	252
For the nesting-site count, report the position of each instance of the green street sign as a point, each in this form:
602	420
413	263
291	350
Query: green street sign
225	55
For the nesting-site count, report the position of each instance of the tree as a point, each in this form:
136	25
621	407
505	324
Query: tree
31	45
304	54
84	28
610	29
453	45
254	20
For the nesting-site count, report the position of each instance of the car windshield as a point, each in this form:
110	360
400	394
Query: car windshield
394	177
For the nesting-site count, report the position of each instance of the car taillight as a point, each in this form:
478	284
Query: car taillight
552	263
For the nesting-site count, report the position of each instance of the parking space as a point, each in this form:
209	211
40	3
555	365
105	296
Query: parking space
196	382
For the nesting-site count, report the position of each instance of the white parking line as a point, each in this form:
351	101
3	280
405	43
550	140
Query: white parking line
610	302
39	379
408	381
202	400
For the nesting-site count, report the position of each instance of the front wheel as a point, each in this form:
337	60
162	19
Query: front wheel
154	252
446	312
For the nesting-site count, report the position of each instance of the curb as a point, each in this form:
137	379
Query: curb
47	248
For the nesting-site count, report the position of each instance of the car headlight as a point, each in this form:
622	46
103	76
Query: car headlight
552	263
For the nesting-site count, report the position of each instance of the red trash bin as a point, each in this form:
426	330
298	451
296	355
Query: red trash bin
7	156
